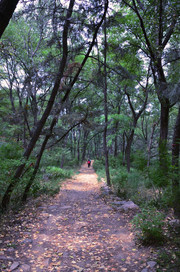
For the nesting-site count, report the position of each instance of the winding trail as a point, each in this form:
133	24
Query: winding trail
76	231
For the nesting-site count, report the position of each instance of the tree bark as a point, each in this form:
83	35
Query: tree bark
175	164
164	124
116	137
129	141
7	8
136	116
150	144
105	110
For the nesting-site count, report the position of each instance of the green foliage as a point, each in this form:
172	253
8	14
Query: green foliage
10	151
149	226
49	182
98	164
119	181
99	167
56	172
49	187
55	156
115	162
10	155
49	179
139	160
159	178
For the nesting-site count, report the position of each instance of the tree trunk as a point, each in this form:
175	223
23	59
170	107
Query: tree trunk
123	149
86	133
175	164
36	167
78	144
150	144
129	141
116	137
7	8
164	123
105	110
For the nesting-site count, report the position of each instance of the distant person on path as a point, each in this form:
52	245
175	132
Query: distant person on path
89	163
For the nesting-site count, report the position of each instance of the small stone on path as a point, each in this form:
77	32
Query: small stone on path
14	266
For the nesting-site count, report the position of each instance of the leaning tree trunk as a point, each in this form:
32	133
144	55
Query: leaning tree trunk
175	164
7	8
36	167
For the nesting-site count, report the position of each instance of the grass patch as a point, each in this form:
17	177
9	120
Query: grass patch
149	226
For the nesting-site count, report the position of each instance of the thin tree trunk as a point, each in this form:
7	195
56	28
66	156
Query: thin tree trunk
123	148
116	137
129	141
106	110
78	144
175	164
150	144
36	167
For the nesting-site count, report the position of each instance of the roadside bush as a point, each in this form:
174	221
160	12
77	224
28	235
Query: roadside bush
98	165
56	172
49	181
149	226
115	162
139	160
119	181
10	154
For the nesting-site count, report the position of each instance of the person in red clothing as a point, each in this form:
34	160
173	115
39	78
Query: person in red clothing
89	163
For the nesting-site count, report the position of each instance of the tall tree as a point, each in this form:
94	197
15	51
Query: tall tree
157	31
105	109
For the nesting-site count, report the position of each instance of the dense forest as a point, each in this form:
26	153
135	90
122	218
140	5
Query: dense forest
90	79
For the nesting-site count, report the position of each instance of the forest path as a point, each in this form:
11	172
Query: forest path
75	231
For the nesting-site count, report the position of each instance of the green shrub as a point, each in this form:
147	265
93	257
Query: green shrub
10	151
139	160
98	165
50	187
119	181
149	226
49	181
116	162
57	172
10	155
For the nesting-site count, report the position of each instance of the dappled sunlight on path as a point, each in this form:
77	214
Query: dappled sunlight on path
77	231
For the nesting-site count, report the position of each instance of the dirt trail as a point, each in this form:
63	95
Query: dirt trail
76	231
